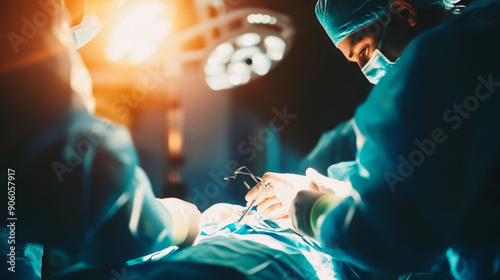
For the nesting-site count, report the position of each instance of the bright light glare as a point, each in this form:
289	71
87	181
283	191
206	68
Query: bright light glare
248	39
223	52
213	70
261	19
261	64
139	33
248	56
343	189
219	82
275	47
239	67
239	73
175	142
244	54
251	18
213	61
236	79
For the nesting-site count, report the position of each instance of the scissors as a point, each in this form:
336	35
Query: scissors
265	185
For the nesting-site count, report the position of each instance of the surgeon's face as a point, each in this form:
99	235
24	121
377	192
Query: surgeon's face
360	45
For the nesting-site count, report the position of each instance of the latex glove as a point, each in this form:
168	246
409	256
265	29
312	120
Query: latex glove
308	207
276	200
329	185
186	220
220	211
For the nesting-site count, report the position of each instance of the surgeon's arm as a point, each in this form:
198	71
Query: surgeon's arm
126	219
86	197
337	145
185	221
419	165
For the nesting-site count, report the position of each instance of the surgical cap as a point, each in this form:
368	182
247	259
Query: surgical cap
340	18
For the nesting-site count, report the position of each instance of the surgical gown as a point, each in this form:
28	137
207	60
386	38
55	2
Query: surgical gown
427	169
334	146
82	192
79	189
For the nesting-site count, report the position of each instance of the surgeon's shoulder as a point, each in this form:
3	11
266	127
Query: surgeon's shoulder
107	140
432	48
465	36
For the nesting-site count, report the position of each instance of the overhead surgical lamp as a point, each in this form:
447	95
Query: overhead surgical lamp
241	45
139	32
247	56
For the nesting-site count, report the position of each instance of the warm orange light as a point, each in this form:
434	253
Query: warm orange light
175	143
175	124
139	33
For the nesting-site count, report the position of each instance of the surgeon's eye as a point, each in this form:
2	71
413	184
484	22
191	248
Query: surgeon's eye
362	51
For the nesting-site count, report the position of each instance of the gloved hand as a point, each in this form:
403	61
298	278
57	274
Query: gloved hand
186	219
308	207
276	200
329	185
221	211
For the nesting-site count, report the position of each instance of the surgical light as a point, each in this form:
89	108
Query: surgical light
235	63
275	47
139	33
249	39
261	19
240	45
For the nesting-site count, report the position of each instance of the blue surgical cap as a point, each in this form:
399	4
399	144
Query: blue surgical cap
340	18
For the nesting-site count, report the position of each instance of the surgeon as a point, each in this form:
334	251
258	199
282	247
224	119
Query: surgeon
73	180
340	144
424	179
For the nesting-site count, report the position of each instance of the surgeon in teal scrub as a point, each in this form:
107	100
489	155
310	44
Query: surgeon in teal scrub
425	175
75	182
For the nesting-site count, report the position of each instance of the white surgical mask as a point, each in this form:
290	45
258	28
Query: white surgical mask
378	65
91	25
86	30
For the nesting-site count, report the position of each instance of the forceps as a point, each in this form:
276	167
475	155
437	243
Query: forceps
265	185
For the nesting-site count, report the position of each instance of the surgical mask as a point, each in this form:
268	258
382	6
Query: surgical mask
378	65
90	25
88	28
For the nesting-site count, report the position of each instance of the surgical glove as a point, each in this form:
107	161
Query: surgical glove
186	220
221	211
308	208
275	202
329	185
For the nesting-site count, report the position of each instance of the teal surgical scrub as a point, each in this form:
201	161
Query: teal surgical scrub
81	192
427	167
